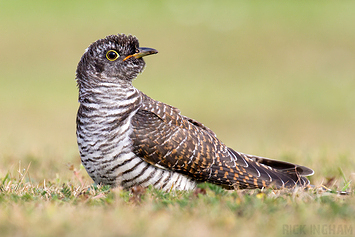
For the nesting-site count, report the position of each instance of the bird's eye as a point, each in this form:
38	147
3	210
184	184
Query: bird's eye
112	55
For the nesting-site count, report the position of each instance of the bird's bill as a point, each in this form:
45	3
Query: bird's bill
142	52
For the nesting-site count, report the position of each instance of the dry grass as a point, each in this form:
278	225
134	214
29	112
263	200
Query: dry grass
74	208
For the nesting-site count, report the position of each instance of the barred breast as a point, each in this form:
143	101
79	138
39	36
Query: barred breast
103	136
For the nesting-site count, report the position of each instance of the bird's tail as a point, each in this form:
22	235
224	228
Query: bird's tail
258	172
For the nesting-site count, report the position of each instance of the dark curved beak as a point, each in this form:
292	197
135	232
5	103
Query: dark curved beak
142	52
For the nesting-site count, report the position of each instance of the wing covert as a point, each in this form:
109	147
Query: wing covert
164	138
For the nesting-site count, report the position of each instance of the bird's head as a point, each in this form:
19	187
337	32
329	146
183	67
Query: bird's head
114	59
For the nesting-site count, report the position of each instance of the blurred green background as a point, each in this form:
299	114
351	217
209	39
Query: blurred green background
271	78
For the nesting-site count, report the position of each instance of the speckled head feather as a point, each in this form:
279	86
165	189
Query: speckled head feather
95	65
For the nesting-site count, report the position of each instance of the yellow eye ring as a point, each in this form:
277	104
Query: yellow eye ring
112	55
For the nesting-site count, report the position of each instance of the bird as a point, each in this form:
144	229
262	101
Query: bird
127	139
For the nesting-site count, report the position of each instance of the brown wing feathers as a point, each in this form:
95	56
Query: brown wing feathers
164	138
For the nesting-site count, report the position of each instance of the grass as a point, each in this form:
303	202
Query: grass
269	78
72	207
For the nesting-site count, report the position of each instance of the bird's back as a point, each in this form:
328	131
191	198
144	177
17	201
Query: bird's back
164	138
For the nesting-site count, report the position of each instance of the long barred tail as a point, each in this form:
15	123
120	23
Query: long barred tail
247	172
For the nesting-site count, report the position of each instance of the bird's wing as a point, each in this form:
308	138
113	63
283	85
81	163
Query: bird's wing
166	139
